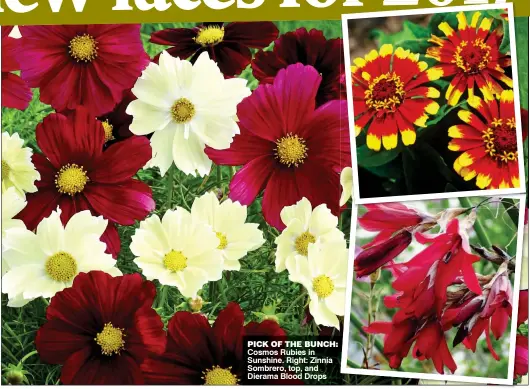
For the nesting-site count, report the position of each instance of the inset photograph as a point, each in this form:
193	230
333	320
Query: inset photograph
433	103
434	288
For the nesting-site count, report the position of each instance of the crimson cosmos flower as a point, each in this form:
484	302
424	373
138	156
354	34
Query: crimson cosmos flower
395	223
488	143
286	150
390	96
76	174
101	329
309	48
116	123
89	65
521	356
522	315
471	57
200	354
228	45
15	92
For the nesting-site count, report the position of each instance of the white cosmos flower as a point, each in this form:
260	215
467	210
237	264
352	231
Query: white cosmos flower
323	273
178	251
346	181
17	169
186	107
227	220
44	263
303	227
12	204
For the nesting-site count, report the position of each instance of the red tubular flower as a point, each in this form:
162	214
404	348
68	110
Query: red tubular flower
389	96
431	344
521	356
15	92
200	354
488	143
76	174
471	57
285	150
228	45
101	329
89	65
116	123
308	48
438	266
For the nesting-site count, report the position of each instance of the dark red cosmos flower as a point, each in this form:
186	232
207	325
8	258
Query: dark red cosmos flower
438	266
228	45
89	65
522	315
309	48
287	149
116	123
15	92
395	223
101	329
76	174
200	354
521	356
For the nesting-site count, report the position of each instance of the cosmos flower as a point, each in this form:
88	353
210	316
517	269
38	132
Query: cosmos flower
229	45
77	174
89	65
47	261
284	152
17	169
12	204
15	92
178	251
116	123
488	143
305	226
101	329
227	219
308	48
521	356
186	107
390	96
323	274
471	57
346	181
200	354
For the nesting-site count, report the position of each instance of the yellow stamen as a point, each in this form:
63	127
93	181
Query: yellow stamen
385	93
302	242
291	150
110	339
61	267
71	179
210	35
219	376
183	110
5	169
175	261
107	127
323	286
223	242
83	48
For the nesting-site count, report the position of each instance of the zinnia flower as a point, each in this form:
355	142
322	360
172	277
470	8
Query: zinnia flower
17	169
389	96
227	219
89	65
178	251
101	329
471	57
305	226
323	274
77	175
488	143
286	149
47	261
346	181
15	92
308	48
186	107
200	354
228	45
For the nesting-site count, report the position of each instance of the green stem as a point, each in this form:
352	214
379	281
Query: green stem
28	355
353	364
162	297
170	183
359	325
219	176
479	227
296	300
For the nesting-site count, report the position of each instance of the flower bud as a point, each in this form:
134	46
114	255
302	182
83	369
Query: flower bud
196	304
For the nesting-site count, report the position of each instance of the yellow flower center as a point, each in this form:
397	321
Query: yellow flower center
210	35
175	261
501	140
291	150
182	111
5	169
83	48
302	243
385	92
107	127
323	286
223	242
219	376
110	340
472	58
61	267
71	179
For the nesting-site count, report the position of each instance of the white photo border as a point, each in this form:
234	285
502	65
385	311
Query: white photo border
444	195
345	369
